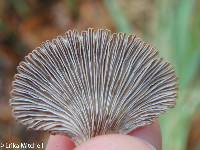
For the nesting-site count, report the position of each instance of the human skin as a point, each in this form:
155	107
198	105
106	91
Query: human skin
140	139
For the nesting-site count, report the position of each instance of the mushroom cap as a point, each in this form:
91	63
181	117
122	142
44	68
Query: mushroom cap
90	83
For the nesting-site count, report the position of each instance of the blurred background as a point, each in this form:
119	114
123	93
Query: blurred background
172	26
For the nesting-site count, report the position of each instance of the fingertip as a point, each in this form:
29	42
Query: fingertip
114	142
150	134
59	142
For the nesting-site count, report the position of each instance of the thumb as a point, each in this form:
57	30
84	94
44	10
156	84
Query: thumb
115	142
140	139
